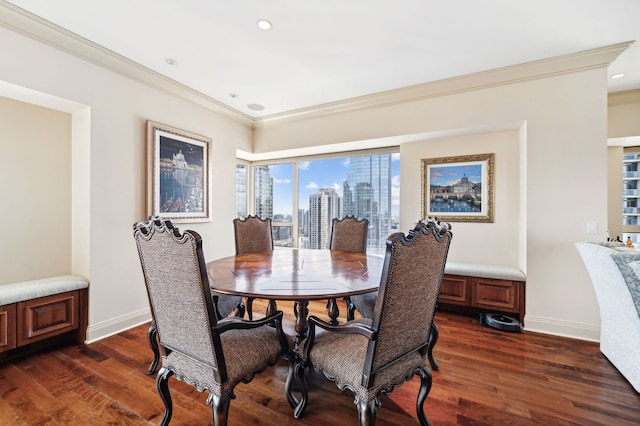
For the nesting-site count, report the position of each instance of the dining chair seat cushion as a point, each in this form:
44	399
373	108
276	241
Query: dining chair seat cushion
341	357
245	354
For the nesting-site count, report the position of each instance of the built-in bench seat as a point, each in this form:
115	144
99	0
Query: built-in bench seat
44	311
482	288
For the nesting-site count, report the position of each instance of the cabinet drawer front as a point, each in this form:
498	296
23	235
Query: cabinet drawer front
497	294
47	316
7	327
454	289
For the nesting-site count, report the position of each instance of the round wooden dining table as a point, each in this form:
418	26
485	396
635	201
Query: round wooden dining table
297	275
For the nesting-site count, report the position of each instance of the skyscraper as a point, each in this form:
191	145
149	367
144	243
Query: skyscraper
241	190
263	188
367	194
324	205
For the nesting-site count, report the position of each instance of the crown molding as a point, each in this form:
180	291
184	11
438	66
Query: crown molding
25	23
30	25
559	65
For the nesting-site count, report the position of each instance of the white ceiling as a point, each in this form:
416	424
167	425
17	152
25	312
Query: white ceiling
324	51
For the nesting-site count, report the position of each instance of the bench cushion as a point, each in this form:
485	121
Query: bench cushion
485	271
27	290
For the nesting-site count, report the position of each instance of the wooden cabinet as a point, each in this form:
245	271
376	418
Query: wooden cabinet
7	327
45	317
455	290
36	320
474	294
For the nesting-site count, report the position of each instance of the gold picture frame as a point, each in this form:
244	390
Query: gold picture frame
178	177
458	189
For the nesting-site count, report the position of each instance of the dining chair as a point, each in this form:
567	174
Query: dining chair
371	356
198	348
226	305
365	304
349	234
252	235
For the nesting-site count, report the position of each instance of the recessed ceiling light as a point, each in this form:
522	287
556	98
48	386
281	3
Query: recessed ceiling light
263	24
171	61
620	75
233	95
255	107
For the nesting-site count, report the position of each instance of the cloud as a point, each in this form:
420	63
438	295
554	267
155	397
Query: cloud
346	162
304	165
336	187
311	185
395	156
276	180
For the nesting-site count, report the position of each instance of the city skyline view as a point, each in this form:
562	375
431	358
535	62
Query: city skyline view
316	174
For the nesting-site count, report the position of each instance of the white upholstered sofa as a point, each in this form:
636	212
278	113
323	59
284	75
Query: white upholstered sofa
615	272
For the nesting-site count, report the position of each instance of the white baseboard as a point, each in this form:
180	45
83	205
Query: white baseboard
536	324
116	325
561	328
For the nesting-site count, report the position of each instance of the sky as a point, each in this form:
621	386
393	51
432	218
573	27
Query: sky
449	175
326	173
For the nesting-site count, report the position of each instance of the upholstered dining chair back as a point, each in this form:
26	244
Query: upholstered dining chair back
349	234
179	294
253	235
373	356
409	289
190	336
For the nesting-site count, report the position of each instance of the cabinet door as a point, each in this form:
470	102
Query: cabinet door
501	295
47	316
454	290
7	327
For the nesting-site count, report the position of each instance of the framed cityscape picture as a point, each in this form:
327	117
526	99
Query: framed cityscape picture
458	189
178	178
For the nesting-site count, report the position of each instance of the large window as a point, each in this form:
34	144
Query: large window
241	190
320	189
273	189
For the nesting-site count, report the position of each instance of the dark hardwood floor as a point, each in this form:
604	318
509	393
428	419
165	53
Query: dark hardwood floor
486	377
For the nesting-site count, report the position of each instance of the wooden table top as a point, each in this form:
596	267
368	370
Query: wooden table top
296	274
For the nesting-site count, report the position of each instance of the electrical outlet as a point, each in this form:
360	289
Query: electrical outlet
592	227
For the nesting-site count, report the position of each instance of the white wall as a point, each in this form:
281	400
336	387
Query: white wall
623	131
110	179
561	168
561	121
614	187
624	113
472	242
35	170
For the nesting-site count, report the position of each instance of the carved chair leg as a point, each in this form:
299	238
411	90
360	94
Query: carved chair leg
220	408
249	306
433	339
425	386
351	308
240	309
152	336
300	374
291	381
162	384
367	411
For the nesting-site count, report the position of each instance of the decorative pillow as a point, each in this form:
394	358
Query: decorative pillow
629	265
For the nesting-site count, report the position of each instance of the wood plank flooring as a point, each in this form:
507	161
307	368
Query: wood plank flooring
486	377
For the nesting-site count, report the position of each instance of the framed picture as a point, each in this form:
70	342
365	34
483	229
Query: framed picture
178	174
458	189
